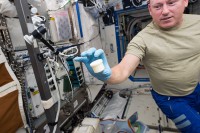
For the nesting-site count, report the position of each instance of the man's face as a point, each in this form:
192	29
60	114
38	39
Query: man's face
167	13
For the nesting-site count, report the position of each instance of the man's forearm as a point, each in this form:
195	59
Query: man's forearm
117	76
123	70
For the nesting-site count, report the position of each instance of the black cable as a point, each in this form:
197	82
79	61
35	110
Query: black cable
87	87
79	44
91	39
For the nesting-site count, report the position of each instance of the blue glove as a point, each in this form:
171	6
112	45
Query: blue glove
91	55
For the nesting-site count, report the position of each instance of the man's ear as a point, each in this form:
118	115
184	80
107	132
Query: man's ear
186	2
149	9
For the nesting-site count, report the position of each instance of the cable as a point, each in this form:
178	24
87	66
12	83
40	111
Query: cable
67	74
90	40
79	43
56	85
87	87
64	53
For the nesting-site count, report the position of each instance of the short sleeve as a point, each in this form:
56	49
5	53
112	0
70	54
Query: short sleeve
137	47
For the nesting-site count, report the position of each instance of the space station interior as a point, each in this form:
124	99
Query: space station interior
42	88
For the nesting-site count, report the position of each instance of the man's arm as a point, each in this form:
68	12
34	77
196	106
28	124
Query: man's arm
124	69
117	74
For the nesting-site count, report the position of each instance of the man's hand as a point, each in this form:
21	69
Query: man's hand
91	55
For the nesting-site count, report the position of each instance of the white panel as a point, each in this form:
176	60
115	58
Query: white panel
35	99
110	46
93	91
15	31
91	36
90	29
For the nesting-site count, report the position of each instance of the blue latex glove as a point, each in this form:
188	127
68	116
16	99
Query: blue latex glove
91	55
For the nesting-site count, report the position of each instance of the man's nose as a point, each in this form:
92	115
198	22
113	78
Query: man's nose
165	10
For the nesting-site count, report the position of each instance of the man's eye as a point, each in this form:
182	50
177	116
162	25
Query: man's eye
171	3
157	7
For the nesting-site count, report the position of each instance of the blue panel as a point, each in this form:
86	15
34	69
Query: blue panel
131	9
116	13
79	19
119	51
139	79
123	45
117	37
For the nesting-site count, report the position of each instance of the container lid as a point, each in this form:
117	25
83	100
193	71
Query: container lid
96	62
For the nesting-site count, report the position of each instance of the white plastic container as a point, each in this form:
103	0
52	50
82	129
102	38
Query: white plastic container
88	125
97	65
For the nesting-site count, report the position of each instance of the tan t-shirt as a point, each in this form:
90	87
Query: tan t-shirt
171	57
